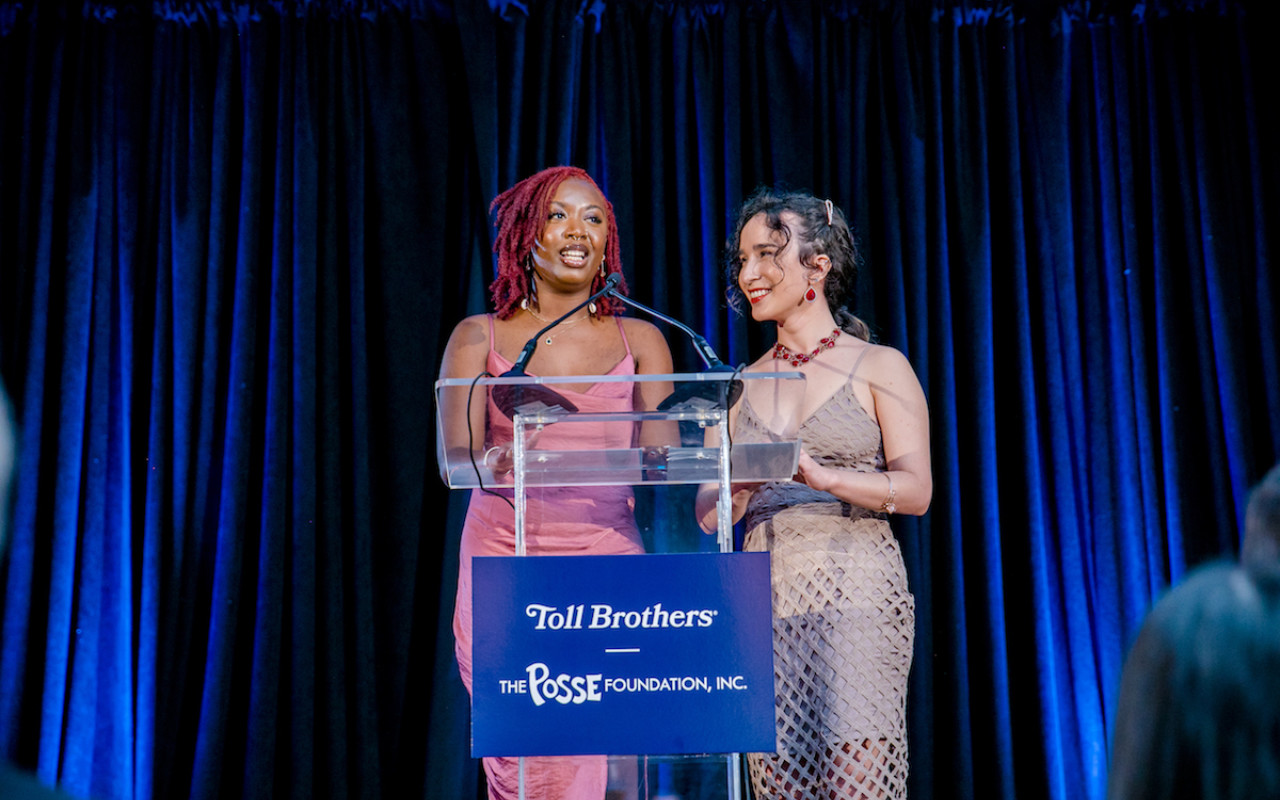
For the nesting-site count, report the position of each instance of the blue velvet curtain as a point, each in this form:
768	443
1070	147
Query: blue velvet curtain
234	236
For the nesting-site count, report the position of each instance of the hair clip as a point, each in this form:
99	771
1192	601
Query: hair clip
830	210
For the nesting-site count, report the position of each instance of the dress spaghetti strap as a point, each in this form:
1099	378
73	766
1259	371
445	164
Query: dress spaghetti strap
623	332
858	363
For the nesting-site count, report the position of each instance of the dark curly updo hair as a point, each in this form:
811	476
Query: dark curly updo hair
814	233
520	214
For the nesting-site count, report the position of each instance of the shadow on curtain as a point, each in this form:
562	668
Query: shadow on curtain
235	238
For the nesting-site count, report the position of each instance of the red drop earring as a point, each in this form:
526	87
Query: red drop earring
811	295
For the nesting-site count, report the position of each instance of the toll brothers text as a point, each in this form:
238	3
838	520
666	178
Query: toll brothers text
602	616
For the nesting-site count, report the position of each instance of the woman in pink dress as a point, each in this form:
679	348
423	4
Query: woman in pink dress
557	242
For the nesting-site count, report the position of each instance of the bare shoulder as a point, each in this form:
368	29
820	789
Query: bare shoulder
468	345
640	328
643	334
883	358
885	367
476	324
648	345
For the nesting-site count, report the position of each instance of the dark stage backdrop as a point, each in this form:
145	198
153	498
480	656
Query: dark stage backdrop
234	237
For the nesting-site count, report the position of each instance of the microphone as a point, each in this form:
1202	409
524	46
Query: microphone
531	398
716	394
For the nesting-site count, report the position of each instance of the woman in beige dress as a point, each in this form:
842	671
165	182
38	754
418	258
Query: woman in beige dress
844	618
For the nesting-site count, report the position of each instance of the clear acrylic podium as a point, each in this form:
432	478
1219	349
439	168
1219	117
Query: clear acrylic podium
666	454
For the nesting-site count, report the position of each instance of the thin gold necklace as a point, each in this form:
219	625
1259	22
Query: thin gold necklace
562	325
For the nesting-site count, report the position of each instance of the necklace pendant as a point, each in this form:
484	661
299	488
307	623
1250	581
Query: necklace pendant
548	340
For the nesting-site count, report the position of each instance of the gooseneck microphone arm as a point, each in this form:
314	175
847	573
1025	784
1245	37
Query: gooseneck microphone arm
700	344
610	283
511	398
720	393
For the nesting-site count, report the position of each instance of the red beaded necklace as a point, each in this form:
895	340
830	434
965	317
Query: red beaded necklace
782	352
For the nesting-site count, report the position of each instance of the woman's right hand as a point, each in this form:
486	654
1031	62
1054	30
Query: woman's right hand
501	460
498	460
709	494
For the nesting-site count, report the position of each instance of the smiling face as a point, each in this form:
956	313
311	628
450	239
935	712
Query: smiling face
769	270
568	253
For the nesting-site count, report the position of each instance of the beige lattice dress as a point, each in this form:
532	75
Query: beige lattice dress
844	621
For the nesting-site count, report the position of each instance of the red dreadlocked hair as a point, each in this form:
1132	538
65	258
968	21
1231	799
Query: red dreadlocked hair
520	213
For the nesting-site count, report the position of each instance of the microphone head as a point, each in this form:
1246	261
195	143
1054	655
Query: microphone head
698	395
527	398
611	282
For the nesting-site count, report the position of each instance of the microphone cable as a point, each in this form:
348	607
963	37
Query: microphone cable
471	443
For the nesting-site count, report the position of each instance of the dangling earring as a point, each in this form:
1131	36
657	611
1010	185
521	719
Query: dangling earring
811	295
528	281
591	307
531	295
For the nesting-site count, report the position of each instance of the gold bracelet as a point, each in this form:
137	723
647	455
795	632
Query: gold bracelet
485	458
888	505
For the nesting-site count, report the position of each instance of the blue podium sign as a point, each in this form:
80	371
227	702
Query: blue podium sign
620	655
